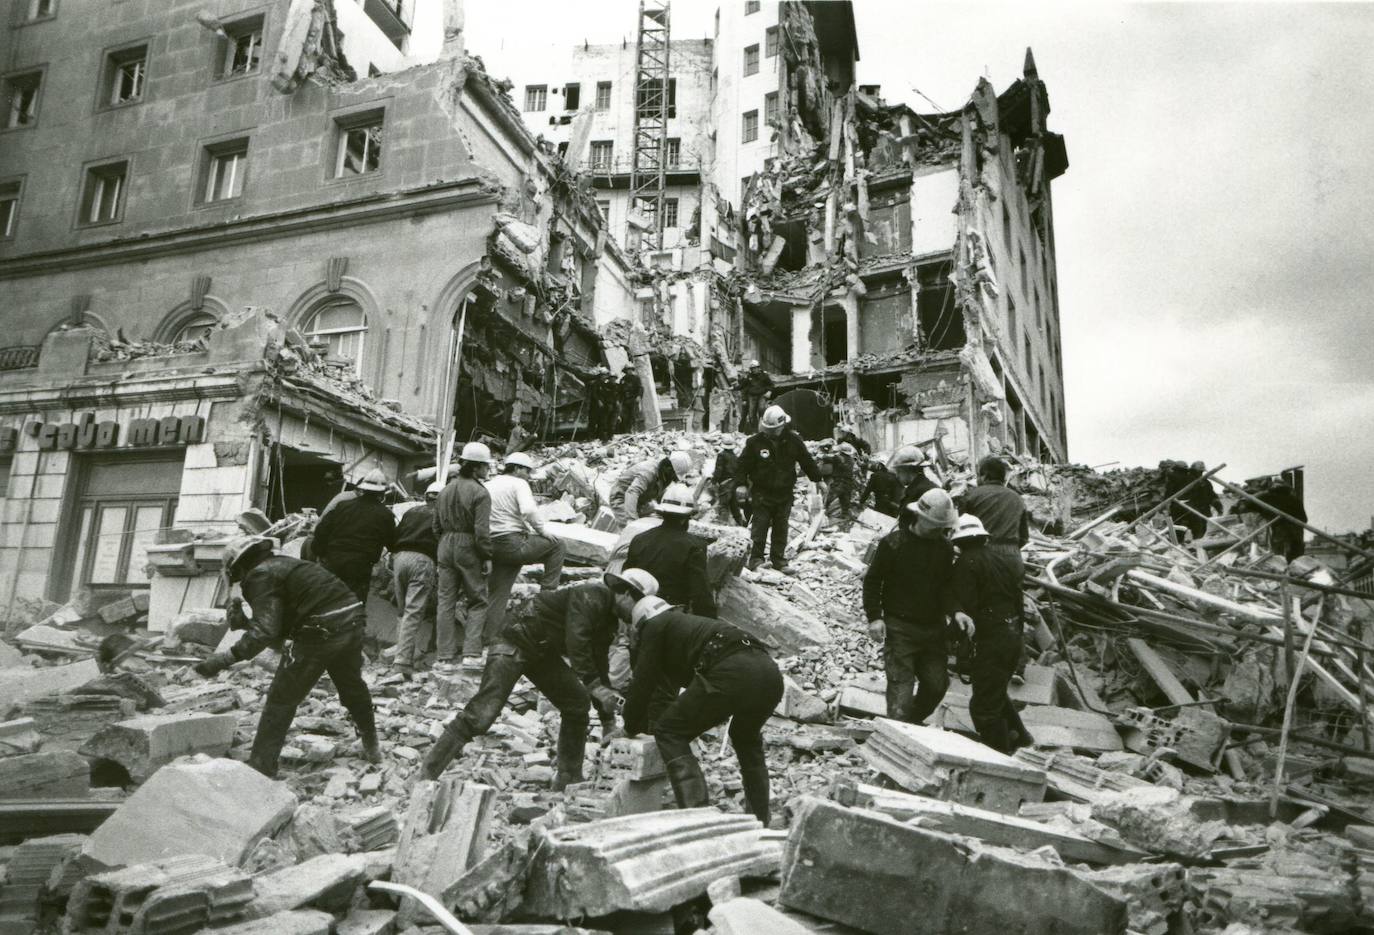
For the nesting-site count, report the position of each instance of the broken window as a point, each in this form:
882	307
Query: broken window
605	208
670	212
942	321
601	154
21	98
751	59
751	6
572	96
650	99
225	166
603	95
536	97
196	328
750	131
342	327
360	145
770	109
770	41
103	196
1006	230
242	50
125	74
9	209
673	154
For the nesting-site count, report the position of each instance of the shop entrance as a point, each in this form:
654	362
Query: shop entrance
300	480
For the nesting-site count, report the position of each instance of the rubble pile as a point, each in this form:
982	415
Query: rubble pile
1174	782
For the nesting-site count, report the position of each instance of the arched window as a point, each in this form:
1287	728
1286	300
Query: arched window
195	328
342	325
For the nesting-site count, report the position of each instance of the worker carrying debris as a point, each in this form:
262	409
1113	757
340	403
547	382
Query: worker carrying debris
839	468
722	674
349	538
414	550
638	488
675	557
1285	536
907	598
1202	498
462	520
317	616
768	478
1002	511
577	622
884	487
755	389
987	588
909	464
518	538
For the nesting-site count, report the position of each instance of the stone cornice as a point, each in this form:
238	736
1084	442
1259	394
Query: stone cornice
96	393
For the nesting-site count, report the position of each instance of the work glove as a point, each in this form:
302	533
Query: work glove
741	493
607	699
235	616
213	664
965	623
877	629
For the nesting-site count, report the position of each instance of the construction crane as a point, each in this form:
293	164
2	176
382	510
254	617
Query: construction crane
650	162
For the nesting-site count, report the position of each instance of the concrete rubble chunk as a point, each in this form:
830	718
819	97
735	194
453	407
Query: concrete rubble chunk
214	697
67	721
20	685
298	922
326	882
121	611
744	916
1065	727
28	879
367	922
445	837
798	704
762	613
143	744
585	545
642	863
633	758
203	627
872	872
164	897
945	765
1160	820
44	774
19	736
374	828
194	806
1078	777
495	888
1154	893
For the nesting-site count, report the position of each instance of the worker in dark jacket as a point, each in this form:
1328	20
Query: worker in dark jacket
462	521
755	389
907	598
987	588
768	478
413	552
723	476
319	618
885	489
603	403
631	402
1202	498
1001	509
578	622
726	674
909	464
1285	536
675	557
839	468
349	538
639	487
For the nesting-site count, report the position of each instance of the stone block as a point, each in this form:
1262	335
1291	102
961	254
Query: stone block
772	618
798	704
214	697
119	612
445	836
889	878
1084	731
299	922
326	882
19	736
20	685
220	808
143	744
585	545
204	627
179	894
47	774
368	922
49	639
948	766
743	916
633	758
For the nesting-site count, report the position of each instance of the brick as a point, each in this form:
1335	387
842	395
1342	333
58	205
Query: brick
143	744
162	897
889	878
1084	731
46	774
743	916
633	758
326	882
300	922
221	808
770	617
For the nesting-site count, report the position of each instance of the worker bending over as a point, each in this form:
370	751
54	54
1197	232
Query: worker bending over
637	489
675	557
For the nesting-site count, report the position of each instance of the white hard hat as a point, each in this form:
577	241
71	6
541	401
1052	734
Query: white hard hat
635	579
846	448
476	452
774	416
239	547
753	363
970	527
519	459
908	456
936	507
375	481
681	462
647	608
677	500
435	487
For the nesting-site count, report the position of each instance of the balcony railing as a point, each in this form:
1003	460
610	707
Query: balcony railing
19	357
621	165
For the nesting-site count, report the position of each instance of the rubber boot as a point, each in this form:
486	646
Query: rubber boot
450	743
688	781
372	751
572	749
756	792
273	724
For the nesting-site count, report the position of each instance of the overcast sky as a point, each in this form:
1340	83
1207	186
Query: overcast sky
1214	227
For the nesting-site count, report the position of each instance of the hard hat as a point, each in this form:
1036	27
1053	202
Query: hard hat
681	462
912	456
646	608
375	481
753	363
936	507
435	487
519	459
241	547
848	449
677	500
773	417
476	452
635	580
970	527
1198	466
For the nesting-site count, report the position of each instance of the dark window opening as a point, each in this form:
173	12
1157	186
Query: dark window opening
650	97
834	337
942	321
572	96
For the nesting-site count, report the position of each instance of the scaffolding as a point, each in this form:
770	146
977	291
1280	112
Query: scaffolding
652	90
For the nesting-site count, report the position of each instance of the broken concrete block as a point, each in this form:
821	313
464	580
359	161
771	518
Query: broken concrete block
1064	727
1194	735
742	916
888	878
798	704
19	736
118	612
642	863
28	877
211	697
374	828
584	545
203	627
316	830
182	893
326	882
123	685
948	766
299	922
495	888
143	744
367	922
20	685
195	806
11	658
772	618
633	758
1154	893
1160	820
445	836
46	774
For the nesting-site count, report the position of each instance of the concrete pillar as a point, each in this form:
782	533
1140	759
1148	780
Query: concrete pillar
801	339
853	337
648	402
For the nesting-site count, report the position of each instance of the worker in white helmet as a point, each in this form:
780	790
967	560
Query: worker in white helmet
349	539
675	557
767	477
518	538
414	553
637	489
462	521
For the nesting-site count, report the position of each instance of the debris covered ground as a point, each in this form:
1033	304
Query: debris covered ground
1156	687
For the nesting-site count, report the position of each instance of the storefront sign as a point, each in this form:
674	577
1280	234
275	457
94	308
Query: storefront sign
85	433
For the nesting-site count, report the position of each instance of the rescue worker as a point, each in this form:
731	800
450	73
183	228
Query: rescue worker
636	490
755	389
846	434
725	674
518	538
723	476
675	557
907	598
1285	536
1002	511
909	464
884	487
631	393
839	498
414	550
349	538
1202	498
319	619
768	478
987	586
602	403
1175	477
462	521
577	622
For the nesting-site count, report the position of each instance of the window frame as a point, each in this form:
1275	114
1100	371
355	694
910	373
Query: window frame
114	60
601	86
337	301
7	82
210	154
226	46
752	6
754	61
771	105
10	225
770	42
593	162
746	118
31	15
571	90
543	91
672	153
89	172
361	118
670	213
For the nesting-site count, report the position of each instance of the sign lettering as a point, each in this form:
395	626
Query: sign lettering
86	434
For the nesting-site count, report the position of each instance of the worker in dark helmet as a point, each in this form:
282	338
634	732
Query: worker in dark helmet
884	487
316	622
1001	509
909	464
578	622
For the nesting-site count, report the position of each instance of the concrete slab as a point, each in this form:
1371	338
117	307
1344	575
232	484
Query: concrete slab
44	774
20	685
450	843
1065	727
585	545
326	882
367	922
744	916
143	744
778	622
300	922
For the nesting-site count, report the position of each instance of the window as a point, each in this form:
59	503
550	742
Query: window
126	73
601	154
125	502
196	328
21	99
1029	359
536	98
42	9
224	167
9	208
1044	388
5	476
750	131
572	96
1006	228
670	212
770	108
360	146
241	50
341	326
1021	251
672	157
102	200
650	100
751	6
603	95
751	59
605	208
770	41
1012	330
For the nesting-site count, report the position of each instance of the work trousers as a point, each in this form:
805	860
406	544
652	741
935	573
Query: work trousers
354	572
751	412
509	553
414	581
744	686
839	503
460	569
300	668
770	516
914	656
996	653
